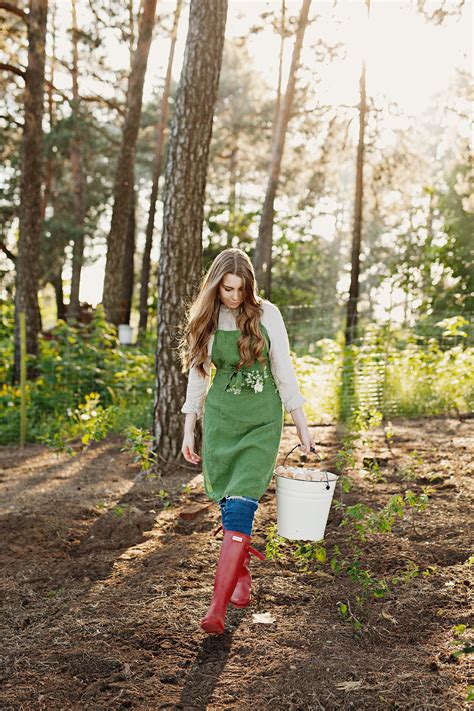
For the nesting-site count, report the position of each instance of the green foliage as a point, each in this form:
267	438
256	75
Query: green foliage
414	376
453	326
89	421
408	375
299	268
88	384
304	553
463	639
165	498
139	443
274	543
455	252
370	585
319	380
366	520
118	511
429	380
346	614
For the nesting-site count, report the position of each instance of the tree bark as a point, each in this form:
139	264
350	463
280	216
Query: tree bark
78	177
160	139
180	264
124	175
351	318
280	66
57	283
263	248
50	158
27	262
232	189
128	262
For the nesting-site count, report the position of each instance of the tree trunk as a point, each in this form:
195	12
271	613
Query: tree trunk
128	262
50	156
280	66
77	169
351	319
232	189
263	248
180	264
124	174
57	283
27	263
160	138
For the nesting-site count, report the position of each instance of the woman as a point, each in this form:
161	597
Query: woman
244	336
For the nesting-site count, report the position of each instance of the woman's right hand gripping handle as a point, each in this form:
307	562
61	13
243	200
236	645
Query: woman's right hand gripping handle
188	440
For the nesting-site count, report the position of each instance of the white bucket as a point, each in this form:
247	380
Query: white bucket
125	334
303	506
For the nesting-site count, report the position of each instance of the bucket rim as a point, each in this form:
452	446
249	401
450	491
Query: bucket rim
334	476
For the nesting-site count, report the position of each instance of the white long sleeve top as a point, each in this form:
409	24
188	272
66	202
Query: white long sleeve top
279	355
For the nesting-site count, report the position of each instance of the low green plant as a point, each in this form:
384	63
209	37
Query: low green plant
165	498
305	553
372	472
118	511
93	421
274	543
346	614
90	421
463	639
370	584
139	443
365	520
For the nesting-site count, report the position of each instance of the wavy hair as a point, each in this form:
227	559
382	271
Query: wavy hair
202	314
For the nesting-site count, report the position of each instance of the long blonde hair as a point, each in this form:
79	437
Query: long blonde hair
203	313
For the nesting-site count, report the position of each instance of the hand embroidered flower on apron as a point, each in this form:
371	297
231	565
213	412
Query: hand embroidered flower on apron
252	379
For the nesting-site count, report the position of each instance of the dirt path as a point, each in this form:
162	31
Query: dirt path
105	580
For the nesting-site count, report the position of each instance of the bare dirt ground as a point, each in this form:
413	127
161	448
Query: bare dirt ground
105	579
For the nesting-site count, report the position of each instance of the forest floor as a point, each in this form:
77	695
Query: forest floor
105	579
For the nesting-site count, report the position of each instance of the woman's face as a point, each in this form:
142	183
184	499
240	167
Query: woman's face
231	291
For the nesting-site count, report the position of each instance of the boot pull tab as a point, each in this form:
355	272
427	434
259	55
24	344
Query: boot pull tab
256	553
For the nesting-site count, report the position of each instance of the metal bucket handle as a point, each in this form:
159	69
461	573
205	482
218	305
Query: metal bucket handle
303	458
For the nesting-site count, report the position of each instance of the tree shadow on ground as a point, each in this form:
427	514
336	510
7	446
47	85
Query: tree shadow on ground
209	664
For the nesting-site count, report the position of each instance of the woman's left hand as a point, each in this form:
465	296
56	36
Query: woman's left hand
307	442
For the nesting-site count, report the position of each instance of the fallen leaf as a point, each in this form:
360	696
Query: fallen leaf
349	685
263	618
389	617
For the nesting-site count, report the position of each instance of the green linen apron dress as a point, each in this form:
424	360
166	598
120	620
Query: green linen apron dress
242	422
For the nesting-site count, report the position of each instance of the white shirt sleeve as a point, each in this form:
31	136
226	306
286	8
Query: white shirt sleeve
197	389
280	358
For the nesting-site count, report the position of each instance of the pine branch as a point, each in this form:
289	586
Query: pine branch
98	99
10	7
11	68
10	119
9	254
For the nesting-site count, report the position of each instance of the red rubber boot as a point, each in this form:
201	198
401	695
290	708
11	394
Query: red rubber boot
233	552
241	594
